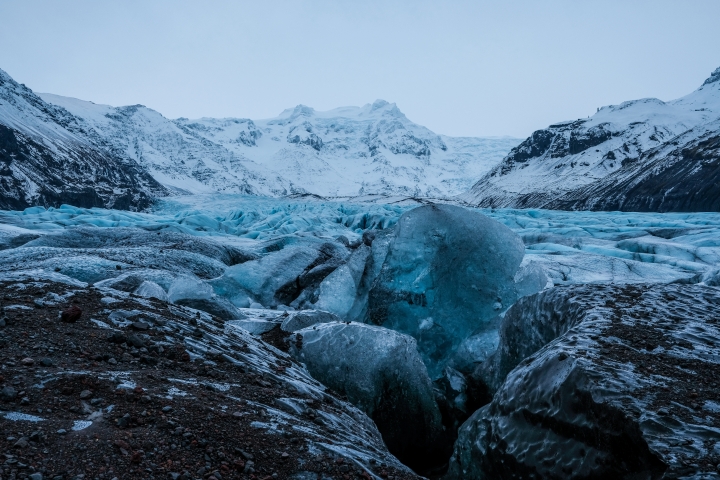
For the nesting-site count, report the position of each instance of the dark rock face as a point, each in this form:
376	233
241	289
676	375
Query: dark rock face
714	77
48	158
536	145
582	140
682	178
605	382
303	134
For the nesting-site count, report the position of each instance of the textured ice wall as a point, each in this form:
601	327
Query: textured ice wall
447	273
570	247
381	372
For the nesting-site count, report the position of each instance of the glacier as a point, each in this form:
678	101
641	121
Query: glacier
281	269
447	272
226	253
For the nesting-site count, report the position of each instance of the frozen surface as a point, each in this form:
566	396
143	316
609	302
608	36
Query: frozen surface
571	247
380	371
448	272
633	365
225	253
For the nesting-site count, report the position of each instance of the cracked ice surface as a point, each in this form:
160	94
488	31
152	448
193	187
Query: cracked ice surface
571	247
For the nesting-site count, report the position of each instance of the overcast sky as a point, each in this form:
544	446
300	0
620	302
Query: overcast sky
470	68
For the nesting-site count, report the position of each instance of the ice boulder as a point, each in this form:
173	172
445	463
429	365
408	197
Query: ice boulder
150	289
195	293
306	318
288	276
379	371
447	272
531	278
341	292
605	381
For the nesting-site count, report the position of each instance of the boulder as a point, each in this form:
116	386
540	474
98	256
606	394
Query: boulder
604	382
448	271
289	276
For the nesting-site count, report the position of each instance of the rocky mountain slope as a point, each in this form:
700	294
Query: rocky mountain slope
642	155
347	151
49	157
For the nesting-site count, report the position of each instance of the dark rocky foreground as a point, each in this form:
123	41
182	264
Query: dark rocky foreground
125	387
602	382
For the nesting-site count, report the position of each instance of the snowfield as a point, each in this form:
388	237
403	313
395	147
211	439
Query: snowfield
347	151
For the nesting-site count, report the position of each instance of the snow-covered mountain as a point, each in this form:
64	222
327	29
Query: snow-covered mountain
645	155
49	157
347	151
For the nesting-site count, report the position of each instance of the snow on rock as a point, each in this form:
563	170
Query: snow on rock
48	156
347	151
448	271
641	155
605	381
380	372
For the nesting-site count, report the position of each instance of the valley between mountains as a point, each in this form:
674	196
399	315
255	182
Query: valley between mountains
348	295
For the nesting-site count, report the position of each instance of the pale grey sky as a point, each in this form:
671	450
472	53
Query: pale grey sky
458	67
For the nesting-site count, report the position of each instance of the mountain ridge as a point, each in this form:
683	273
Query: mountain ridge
49	157
599	163
347	151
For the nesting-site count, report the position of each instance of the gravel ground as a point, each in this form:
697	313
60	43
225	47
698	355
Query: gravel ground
99	385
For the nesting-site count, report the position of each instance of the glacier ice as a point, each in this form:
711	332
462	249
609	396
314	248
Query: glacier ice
604	381
288	276
531	278
341	292
150	289
448	271
194	293
380	371
360	260
306	318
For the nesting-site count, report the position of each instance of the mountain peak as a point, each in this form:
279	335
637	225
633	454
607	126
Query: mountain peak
385	108
714	77
379	103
